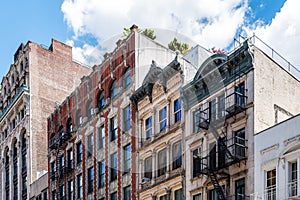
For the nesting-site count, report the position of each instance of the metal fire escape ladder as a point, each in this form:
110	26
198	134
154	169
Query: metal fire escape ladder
214	180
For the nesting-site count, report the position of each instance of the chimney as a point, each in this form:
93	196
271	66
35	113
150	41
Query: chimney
134	28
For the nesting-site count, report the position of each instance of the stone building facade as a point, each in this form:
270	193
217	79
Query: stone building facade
231	98
92	136
277	159
38	79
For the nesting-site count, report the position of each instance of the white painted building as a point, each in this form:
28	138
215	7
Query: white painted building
277	161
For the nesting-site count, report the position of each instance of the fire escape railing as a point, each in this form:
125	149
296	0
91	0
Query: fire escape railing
230	151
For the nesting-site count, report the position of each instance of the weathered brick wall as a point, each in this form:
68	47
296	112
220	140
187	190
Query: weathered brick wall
53	75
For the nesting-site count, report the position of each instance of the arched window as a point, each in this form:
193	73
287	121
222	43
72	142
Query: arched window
113	91
78	118
89	108
100	100
126	78
69	125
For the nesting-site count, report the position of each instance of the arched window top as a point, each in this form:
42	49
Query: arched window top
100	100
113	91
89	109
69	125
126	78
78	117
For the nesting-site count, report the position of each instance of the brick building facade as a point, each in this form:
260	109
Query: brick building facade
92	138
37	81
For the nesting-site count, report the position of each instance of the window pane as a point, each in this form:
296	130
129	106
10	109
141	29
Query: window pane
127	193
148	167
163	119
177	158
113	166
127	158
162	162
148	125
177	110
126	118
178	195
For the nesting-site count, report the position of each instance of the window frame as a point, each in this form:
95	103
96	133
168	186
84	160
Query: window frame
163	118
101	174
90	145
113	128
162	162
79	152
90	179
113	167
125	77
177	110
101	137
127	158
126	119
101	100
79	186
113	90
126	193
176	159
149	128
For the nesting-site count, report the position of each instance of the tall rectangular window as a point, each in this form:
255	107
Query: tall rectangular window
148	167
221	106
101	172
113	196
79	152
126	119
127	158
178	194
293	179
113	128
163	119
79	186
197	197
70	190
239	95
127	193
113	167
270	191
196	121
240	189
240	142
196	162
101	137
70	159
90	181
163	197
90	145
162	162
62	192
177	110
176	155
212	110
148	127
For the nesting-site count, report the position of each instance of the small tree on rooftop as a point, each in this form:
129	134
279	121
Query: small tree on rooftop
182	47
147	32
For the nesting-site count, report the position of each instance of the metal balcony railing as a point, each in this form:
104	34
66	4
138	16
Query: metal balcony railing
215	160
235	103
293	188
64	138
270	193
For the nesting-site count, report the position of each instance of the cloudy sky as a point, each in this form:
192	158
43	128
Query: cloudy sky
88	25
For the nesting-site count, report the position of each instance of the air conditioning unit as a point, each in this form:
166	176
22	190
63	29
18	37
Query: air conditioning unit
145	180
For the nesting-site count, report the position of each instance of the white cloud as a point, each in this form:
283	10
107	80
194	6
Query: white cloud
283	33
209	23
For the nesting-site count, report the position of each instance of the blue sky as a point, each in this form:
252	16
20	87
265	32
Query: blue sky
85	25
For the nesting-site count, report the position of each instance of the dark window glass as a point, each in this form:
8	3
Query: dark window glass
113	167
148	127
178	195
148	167
177	157
79	186
163	119
127	158
113	89
162	162
126	78
90	181
177	110
240	189
126	118
101	101
113	128
113	196
89	109
101	137
127	193
79	152
196	162
101	171
90	145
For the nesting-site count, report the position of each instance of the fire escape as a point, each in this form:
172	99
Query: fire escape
228	151
64	166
